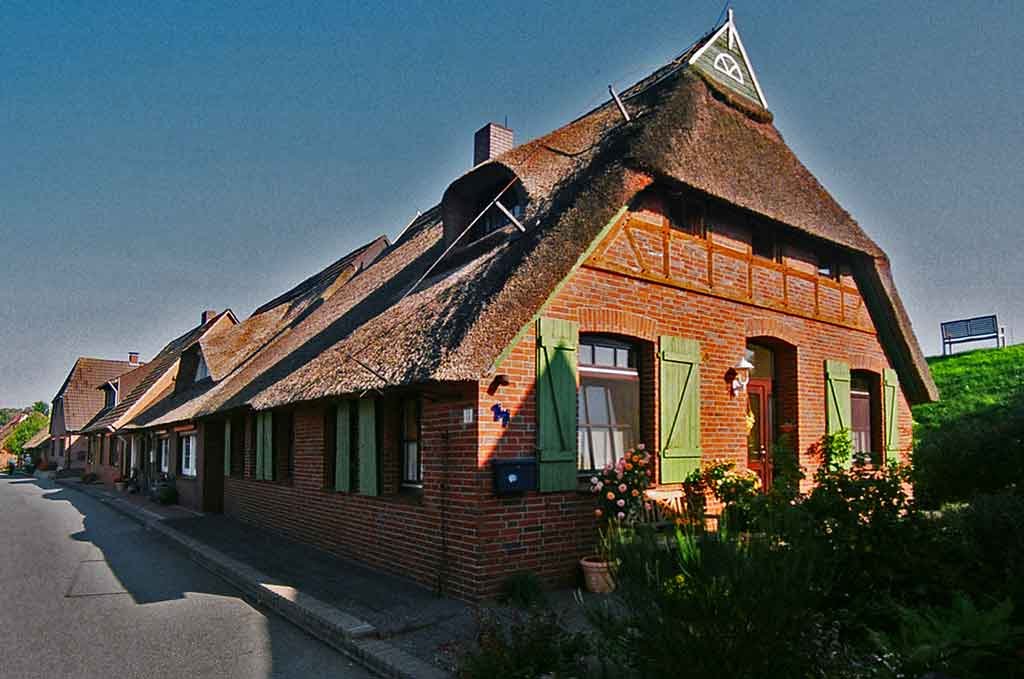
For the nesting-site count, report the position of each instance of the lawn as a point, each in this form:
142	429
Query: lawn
972	440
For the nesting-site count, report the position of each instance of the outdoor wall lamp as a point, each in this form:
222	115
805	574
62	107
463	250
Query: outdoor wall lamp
740	374
498	381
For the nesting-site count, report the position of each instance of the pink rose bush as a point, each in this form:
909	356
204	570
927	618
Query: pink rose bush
620	487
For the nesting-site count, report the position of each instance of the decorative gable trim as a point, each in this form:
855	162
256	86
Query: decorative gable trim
735	43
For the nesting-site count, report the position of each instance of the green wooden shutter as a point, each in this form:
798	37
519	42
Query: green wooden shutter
369	473
259	447
268	446
227	448
837	394
343	448
265	446
680	408
557	343
890	402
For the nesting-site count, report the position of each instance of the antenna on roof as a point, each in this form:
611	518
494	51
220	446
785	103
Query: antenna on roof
618	102
408	226
721	15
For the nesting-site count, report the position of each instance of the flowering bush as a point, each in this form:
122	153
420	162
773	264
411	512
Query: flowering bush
620	488
735	488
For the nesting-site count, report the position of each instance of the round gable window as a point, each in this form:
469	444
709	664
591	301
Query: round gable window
729	66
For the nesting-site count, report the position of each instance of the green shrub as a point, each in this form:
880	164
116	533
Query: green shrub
961	640
523	590
527	647
712	606
29	469
167	495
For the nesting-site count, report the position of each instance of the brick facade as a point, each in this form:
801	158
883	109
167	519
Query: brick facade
456	534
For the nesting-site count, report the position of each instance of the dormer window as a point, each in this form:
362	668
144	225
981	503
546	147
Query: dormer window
497	217
109	395
202	371
488	200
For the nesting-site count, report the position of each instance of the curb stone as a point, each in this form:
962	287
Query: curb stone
352	636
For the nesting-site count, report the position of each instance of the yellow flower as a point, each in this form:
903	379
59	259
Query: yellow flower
610	495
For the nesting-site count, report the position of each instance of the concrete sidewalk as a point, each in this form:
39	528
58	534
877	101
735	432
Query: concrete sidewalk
391	625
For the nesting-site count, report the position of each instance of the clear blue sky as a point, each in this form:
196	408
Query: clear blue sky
162	158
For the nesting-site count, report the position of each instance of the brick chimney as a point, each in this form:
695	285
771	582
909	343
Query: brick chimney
489	141
133	357
208	316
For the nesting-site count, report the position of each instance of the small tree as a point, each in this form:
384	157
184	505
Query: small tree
32	425
41	407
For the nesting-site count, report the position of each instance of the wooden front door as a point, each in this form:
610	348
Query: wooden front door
759	437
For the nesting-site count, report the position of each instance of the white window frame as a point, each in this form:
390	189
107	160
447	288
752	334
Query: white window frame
187	444
202	370
599	371
165	454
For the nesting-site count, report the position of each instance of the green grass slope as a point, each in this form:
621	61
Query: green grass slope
972	440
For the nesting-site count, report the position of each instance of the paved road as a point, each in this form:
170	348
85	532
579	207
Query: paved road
86	592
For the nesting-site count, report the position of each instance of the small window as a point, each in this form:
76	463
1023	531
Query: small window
865	416
110	396
187	445
763	243
687	215
283	434
165	455
727	64
828	268
495	218
202	372
412	463
608	403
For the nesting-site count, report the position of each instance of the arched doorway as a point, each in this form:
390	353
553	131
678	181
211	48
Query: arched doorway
771	408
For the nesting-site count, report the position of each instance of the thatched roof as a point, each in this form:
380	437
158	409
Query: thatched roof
376	333
135	385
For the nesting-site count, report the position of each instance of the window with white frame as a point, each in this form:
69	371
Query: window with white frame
412	465
609	401
165	455
188	454
202	371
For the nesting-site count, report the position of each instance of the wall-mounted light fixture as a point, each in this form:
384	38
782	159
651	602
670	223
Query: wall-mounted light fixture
740	376
501	380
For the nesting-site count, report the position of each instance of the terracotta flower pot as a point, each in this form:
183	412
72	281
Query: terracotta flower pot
597	575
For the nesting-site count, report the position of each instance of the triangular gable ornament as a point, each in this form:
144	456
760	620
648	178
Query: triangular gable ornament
724	58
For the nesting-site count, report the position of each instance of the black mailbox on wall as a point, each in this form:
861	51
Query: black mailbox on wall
514	475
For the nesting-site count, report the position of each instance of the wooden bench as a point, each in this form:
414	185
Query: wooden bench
666	506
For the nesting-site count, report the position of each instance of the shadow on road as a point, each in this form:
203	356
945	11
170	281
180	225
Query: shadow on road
142	566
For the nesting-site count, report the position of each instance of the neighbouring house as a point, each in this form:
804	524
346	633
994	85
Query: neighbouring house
89	388
607	284
174	440
6	429
38	446
113	452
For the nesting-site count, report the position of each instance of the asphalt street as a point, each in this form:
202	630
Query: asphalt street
86	592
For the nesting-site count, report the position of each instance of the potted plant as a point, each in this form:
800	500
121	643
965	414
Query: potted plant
620	490
119	483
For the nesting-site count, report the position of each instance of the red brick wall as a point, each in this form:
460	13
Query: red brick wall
457	534
607	302
398	532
